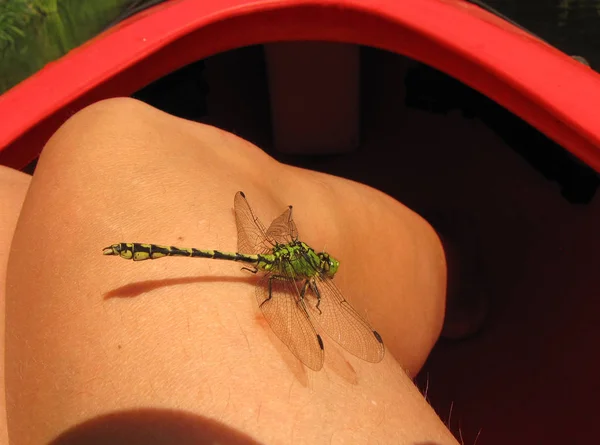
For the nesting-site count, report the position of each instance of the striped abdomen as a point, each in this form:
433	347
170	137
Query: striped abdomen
141	252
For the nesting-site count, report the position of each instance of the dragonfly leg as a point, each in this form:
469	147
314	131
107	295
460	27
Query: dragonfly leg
271	278
303	291
270	290
253	270
301	304
315	290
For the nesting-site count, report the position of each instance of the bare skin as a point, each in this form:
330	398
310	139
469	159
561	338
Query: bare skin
94	339
13	187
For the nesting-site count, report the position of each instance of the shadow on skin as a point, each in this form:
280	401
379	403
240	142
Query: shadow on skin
133	290
151	427
155	427
335	360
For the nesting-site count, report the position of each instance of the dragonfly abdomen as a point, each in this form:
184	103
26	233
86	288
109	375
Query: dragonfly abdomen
141	252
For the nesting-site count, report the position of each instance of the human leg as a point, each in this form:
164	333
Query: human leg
13	187
93	335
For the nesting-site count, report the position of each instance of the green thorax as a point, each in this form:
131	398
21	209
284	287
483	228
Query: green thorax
297	259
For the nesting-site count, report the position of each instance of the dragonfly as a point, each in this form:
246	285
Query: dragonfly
296	294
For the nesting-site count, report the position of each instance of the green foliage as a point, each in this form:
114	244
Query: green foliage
35	32
15	15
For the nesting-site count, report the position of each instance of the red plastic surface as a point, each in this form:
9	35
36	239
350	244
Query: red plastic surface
554	93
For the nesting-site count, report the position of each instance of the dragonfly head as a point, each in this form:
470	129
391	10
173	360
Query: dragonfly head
329	265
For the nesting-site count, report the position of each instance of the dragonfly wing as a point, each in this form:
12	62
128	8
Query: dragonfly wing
283	228
278	299
252	237
341	322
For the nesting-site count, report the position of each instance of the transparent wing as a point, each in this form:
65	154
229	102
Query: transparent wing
283	229
288	318
341	322
252	237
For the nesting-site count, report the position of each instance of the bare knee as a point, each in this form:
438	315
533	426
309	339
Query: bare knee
127	138
104	132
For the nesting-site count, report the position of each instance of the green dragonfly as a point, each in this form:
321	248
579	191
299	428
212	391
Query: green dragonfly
296	293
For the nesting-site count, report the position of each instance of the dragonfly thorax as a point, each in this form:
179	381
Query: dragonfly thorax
297	259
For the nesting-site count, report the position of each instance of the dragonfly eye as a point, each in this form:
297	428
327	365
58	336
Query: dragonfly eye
333	266
329	265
